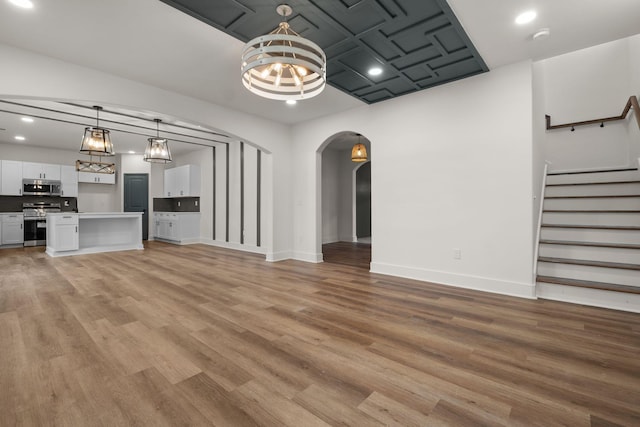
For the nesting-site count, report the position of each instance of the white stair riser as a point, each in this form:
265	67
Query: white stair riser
629	204
595	190
591	235
587	218
594	177
595	274
589	253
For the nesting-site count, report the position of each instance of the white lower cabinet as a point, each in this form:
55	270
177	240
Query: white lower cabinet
62	232
12	229
178	227
97	178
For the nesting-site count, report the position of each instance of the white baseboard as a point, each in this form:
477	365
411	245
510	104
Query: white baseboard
279	256
485	284
189	241
308	257
330	239
234	245
592	297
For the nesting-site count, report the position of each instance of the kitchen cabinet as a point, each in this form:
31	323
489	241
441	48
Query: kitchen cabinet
183	181
97	178
69	178
177	227
62	232
12	229
40	171
11	179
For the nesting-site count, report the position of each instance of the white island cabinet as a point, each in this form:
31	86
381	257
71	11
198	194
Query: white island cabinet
62	232
94	232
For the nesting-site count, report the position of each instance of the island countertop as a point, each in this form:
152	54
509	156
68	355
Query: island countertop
70	233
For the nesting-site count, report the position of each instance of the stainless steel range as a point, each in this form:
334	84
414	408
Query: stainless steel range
35	221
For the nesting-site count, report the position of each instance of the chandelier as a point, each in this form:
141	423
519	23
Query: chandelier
96	140
157	150
283	65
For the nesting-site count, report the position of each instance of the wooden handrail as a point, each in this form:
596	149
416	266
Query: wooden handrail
631	103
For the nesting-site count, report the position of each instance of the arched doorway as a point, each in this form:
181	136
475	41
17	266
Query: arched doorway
344	221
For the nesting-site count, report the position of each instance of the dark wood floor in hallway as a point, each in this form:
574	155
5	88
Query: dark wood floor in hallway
353	254
197	335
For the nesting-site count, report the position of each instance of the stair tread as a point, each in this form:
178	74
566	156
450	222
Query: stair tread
593	171
592	210
596	227
597	244
588	284
560	184
607	196
605	264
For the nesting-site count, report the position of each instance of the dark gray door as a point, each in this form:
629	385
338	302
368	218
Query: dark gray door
136	198
363	201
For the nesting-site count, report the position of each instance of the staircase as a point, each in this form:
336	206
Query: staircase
590	234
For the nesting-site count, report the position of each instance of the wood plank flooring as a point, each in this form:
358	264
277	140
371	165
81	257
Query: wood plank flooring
197	335
356	255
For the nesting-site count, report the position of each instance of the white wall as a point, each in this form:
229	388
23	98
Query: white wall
583	85
331	195
538	148
337	195
39	76
453	169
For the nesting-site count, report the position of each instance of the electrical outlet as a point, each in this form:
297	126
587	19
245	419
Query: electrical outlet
178	203
196	203
457	253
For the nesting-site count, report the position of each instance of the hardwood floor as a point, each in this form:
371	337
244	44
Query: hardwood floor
197	335
356	255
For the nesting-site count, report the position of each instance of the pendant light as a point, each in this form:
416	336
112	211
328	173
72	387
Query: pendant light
359	151
283	65
96	140
157	150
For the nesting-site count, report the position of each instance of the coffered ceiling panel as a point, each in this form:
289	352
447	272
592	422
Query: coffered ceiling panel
417	43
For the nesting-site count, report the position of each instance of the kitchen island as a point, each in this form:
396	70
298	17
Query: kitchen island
93	232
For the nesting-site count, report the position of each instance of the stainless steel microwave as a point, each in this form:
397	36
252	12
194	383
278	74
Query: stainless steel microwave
41	187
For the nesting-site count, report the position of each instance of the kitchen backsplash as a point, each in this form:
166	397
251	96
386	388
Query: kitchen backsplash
176	204
14	203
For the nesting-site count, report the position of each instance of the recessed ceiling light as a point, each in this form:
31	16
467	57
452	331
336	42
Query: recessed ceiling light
375	71
27	119
291	102
132	152
25	4
526	17
19	138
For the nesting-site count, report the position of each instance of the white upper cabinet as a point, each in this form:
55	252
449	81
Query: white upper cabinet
183	181
97	178
69	178
11	179
40	171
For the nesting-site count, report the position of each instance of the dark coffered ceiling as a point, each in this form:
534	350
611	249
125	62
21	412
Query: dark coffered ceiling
418	43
